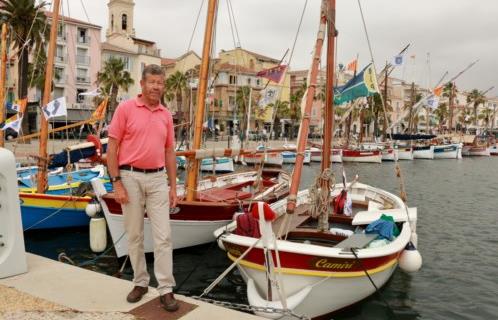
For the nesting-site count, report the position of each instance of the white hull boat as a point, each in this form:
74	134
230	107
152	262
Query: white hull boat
423	152
405	153
218	165
373	156
313	268
472	151
446	151
390	154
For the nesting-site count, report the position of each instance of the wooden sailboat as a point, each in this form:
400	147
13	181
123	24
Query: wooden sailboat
308	250
206	204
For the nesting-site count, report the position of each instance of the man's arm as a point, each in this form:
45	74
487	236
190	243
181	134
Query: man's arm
170	156
121	196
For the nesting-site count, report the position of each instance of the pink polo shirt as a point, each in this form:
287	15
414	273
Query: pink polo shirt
142	133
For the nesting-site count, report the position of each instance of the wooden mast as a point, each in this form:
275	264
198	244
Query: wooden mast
329	106
3	73
193	169
42	163
308	102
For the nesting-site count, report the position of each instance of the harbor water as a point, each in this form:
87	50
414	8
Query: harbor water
457	230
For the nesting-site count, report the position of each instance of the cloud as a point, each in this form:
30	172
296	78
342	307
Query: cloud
455	32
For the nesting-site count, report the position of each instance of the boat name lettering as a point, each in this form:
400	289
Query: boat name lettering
326	264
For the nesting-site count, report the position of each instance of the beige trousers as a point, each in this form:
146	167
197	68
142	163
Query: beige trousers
149	191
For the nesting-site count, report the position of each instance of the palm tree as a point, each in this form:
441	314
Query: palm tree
281	111
177	85
450	91
486	115
441	114
29	26
242	102
112	78
466	117
476	97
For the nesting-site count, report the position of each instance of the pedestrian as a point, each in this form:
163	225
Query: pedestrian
141	145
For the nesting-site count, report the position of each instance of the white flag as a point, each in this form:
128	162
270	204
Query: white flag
398	60
432	101
55	108
269	95
13	123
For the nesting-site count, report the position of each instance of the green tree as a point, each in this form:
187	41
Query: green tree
28	25
281	111
242	102
112	78
177	84
486	115
466	117
476	97
442	114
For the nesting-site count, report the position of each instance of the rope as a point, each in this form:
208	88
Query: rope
372	282
48	217
227	270
319	198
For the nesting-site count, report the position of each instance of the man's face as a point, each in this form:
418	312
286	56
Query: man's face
152	87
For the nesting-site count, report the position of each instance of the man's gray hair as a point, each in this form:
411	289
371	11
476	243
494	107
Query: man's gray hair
152	69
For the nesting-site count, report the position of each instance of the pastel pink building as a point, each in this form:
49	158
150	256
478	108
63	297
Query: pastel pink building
76	64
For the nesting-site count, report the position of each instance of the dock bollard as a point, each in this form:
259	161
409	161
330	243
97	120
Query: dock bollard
98	234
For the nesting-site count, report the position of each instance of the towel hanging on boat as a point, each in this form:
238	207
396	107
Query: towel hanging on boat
384	227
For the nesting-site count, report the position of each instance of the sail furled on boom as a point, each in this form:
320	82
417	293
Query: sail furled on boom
364	84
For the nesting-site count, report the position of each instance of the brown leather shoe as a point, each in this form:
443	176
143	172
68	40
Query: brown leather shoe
136	294
169	302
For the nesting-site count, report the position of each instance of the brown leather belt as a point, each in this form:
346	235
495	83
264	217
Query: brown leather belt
131	168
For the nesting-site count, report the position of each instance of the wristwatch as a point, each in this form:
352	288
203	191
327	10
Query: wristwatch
116	178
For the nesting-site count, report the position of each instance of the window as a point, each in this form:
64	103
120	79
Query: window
231	102
124	22
58	92
142	67
79	97
249	81
112	22
83	35
59	74
59	55
258	82
60	32
82	56
81	75
232	79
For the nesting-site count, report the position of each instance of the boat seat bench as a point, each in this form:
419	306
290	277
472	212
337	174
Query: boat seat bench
356	241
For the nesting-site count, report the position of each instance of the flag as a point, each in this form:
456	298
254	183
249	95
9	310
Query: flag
363	85
99	112
17	105
352	65
438	91
269	95
13	122
55	108
274	74
398	60
431	101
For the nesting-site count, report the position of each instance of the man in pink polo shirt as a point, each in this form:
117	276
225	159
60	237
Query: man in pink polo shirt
141	145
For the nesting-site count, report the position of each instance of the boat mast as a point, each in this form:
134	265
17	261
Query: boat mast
42	160
193	168
308	102
3	73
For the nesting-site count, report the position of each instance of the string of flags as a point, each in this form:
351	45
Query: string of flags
55	108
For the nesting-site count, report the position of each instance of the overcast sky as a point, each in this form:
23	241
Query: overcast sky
454	32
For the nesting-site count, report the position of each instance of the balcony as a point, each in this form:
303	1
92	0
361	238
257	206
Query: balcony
61	36
83	79
61	58
61	80
83	60
83	40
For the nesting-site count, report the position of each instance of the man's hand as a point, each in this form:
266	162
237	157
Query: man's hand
172	197
120	193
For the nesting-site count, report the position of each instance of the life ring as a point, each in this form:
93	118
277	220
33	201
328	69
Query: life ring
97	156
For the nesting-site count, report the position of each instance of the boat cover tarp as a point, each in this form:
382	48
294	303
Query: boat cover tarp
403	136
61	159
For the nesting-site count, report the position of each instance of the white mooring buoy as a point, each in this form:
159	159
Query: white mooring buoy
411	259
98	234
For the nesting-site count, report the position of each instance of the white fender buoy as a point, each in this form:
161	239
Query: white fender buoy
92	208
98	234
256	300
410	260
